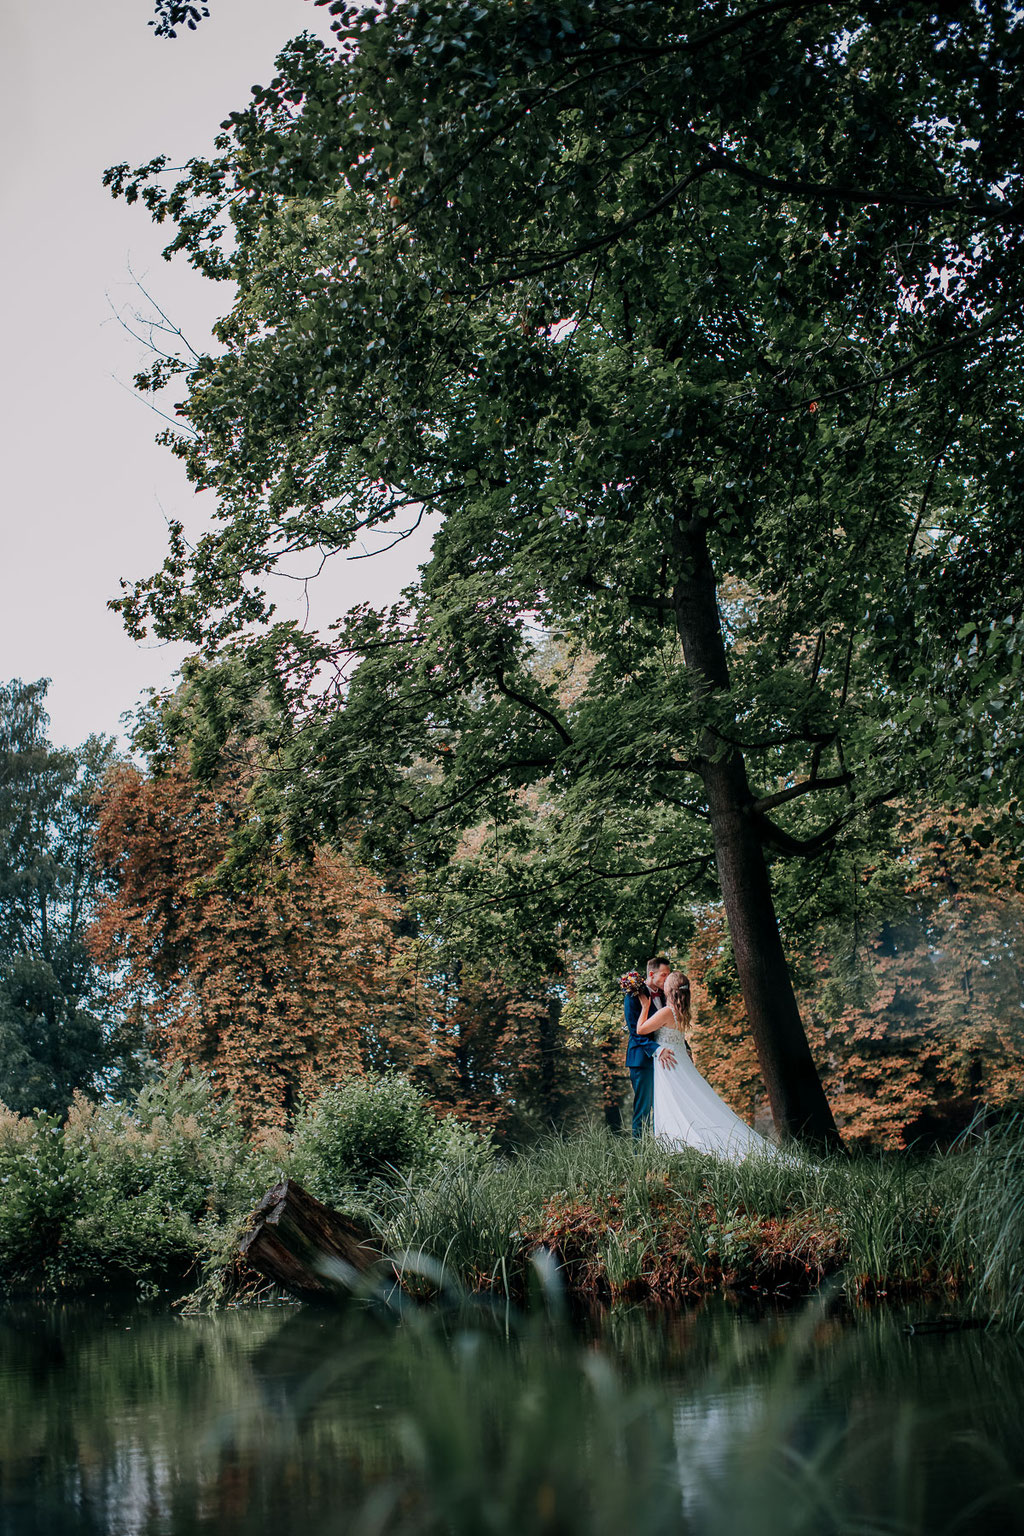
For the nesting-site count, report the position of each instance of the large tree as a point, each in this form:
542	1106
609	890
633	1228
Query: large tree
59	1030
701	326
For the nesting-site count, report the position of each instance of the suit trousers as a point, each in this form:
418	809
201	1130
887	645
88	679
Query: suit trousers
642	1079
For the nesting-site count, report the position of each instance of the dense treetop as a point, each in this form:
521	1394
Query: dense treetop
700	325
583	276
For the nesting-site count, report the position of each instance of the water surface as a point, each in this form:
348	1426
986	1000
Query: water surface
127	1421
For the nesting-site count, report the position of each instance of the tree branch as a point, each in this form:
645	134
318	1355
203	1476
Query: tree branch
478	783
532	705
899	197
733	24
633	599
782	796
902	368
786	739
699	860
927	493
774	836
597	242
506	895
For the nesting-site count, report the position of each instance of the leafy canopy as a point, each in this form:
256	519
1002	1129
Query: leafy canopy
585	278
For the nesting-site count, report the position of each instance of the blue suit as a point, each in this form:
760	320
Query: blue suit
640	1051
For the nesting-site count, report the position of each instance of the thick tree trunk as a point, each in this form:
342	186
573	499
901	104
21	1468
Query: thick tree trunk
305	1246
798	1100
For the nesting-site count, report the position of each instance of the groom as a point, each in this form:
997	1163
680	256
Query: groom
642	1049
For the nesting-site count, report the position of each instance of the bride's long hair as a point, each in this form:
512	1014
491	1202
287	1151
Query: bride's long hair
677	995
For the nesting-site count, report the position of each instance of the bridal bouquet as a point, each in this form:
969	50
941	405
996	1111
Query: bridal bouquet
634	984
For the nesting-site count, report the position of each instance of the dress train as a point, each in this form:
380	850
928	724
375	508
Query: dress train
689	1113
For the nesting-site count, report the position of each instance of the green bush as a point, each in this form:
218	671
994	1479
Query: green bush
374	1131
123	1193
39	1192
148	1192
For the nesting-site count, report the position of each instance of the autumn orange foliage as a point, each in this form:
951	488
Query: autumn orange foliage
268	978
916	1021
278	975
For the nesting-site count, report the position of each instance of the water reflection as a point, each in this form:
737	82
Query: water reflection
126	1423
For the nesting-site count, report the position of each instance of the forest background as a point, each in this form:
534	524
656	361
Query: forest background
132	941
718	398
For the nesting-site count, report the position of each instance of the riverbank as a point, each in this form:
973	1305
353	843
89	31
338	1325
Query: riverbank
636	1222
156	1195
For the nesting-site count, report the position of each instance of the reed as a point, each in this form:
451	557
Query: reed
989	1219
633	1218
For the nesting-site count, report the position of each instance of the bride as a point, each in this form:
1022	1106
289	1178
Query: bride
687	1110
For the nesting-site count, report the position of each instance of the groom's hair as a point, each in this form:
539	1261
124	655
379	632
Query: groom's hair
658	962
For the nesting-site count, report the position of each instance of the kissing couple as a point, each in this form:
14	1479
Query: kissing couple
670	1097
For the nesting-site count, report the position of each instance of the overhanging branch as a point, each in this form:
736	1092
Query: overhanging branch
532	705
898	197
774	836
807	787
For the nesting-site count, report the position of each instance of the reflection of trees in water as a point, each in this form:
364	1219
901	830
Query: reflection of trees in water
879	1421
254	1420
132	1421
106	1415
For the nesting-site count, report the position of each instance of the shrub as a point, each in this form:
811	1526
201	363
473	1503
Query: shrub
39	1192
123	1193
374	1130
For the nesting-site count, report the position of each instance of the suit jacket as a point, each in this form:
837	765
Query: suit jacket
640	1049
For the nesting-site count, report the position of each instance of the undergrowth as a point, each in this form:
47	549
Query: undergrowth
157	1194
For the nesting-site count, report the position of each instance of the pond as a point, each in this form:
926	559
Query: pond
126	1421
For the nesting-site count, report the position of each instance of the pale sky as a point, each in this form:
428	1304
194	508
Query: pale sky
86	491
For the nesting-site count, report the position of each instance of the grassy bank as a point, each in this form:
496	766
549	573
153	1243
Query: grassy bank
637	1222
155	1194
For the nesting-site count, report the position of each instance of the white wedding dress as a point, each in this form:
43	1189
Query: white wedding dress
689	1113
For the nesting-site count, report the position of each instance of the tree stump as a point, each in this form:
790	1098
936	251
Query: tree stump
307	1248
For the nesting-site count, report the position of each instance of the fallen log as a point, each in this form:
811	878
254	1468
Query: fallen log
307	1248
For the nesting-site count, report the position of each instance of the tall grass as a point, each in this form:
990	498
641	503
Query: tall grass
624	1216
989	1220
